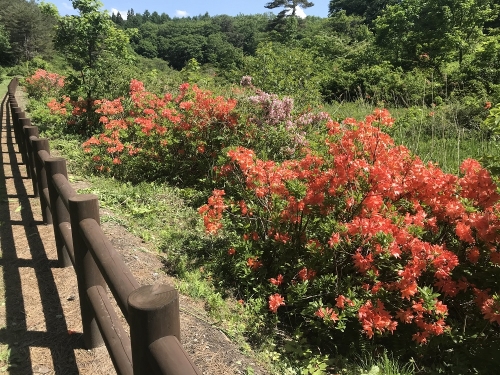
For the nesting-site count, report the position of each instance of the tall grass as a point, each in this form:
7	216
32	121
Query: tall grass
434	134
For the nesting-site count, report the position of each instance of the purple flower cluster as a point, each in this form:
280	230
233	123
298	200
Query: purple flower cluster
275	110
311	119
297	134
246	81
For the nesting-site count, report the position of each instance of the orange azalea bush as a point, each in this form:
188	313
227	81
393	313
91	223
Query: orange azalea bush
147	136
61	114
72	116
330	225
363	237
180	137
44	84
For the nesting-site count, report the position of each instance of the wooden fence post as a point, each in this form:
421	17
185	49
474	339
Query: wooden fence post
86	206
13	86
21	146
59	212
153	313
12	104
18	113
42	144
31	131
22	123
14	111
10	116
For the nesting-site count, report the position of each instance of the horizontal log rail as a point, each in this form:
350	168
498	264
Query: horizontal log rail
110	264
170	357
151	311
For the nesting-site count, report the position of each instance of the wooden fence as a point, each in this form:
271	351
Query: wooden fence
152	311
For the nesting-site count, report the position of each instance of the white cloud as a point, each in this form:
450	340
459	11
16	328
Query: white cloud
67	6
299	12
181	13
123	13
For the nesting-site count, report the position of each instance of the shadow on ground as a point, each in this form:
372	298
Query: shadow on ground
23	256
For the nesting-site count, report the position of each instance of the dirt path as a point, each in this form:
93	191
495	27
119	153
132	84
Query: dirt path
40	326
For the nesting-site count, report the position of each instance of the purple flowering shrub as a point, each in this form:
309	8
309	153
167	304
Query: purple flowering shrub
273	124
272	109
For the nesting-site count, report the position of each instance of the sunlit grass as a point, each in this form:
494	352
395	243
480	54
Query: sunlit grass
433	138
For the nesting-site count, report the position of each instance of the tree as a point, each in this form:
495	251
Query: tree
85	38
164	17
49	9
222	54
369	9
4	44
439	30
92	44
133	19
180	49
155	17
285	70
247	32
145	41
119	19
349	28
30	29
289	5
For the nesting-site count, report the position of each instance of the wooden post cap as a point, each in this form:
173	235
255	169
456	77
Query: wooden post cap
152	297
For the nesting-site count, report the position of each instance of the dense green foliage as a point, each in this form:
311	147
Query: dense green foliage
380	51
26	30
95	49
305	201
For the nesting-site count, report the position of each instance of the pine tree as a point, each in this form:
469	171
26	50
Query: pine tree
289	5
29	27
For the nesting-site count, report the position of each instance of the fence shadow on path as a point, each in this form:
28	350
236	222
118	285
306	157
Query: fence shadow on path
22	250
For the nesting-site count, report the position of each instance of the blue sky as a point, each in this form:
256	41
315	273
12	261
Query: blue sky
192	7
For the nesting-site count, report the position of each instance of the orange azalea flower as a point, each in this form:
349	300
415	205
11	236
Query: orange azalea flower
254	263
464	232
320	313
327	313
341	301
305	274
277	281
275	301
473	255
243	207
